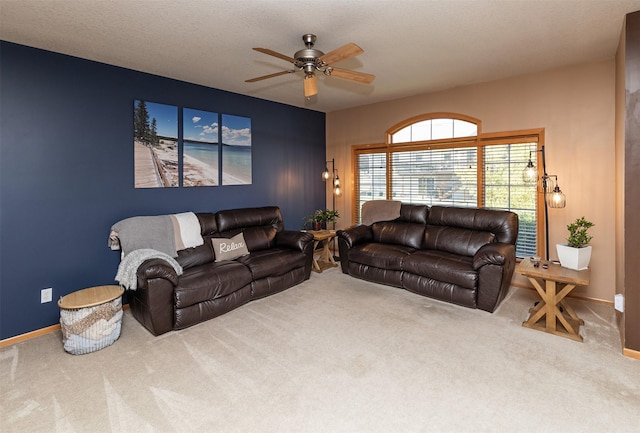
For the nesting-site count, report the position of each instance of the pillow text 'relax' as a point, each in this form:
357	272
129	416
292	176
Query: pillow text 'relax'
229	249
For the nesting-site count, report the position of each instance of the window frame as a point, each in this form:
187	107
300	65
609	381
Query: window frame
479	141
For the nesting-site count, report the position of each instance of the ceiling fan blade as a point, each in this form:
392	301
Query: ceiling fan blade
346	74
264	77
310	85
342	53
275	54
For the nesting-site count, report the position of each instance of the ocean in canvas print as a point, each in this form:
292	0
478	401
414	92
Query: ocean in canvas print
200	162
236	150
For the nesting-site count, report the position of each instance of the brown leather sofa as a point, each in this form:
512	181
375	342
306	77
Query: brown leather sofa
465	256
277	260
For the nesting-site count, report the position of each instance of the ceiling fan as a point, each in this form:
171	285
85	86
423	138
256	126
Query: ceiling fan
311	60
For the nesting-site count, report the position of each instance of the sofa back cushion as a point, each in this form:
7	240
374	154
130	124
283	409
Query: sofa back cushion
465	230
399	233
259	225
208	224
191	257
414	213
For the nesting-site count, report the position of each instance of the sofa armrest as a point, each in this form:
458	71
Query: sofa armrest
495	264
152	303
494	253
349	237
293	239
157	268
354	235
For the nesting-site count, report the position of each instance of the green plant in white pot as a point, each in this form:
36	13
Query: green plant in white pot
576	254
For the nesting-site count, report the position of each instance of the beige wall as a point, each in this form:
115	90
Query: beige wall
575	106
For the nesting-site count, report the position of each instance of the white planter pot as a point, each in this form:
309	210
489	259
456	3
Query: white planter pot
574	258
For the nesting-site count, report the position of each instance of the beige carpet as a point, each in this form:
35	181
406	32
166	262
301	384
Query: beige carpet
334	354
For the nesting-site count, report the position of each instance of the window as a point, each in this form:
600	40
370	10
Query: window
438	160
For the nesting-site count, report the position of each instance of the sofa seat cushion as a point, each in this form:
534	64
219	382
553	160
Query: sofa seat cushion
443	266
379	255
272	262
210	281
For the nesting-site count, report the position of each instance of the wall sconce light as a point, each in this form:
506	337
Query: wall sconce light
553	196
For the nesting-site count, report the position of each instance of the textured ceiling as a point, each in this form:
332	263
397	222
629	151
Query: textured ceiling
411	46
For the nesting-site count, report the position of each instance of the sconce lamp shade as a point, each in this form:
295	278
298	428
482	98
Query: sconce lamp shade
325	174
530	174
556	198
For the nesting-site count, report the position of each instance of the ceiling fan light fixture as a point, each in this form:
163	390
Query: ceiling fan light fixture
311	60
310	85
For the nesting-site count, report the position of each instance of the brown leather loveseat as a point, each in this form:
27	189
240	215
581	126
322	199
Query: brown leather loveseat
465	256
277	260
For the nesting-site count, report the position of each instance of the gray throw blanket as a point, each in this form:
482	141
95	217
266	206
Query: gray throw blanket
128	268
165	233
380	210
154	232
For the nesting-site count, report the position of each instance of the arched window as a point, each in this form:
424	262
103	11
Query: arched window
434	129
444	159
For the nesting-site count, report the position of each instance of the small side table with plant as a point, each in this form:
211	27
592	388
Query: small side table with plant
321	217
325	237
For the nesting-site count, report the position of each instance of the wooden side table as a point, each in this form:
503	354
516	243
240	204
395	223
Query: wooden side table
553	285
325	259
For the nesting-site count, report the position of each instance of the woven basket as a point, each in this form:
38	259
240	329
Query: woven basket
85	330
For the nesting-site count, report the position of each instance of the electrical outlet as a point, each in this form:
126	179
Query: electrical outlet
46	295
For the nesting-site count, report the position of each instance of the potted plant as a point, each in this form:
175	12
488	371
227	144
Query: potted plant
321	216
576	254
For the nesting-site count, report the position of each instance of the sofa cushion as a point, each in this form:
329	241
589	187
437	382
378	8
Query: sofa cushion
207	223
259	225
456	240
379	255
272	262
442	266
210	281
414	213
398	232
503	224
229	249
191	257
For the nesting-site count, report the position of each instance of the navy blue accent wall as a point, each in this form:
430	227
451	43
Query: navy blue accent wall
66	171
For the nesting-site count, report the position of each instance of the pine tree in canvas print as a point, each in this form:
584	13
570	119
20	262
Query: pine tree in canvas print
155	145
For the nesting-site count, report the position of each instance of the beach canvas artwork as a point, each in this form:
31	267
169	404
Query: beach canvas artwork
155	145
236	150
200	148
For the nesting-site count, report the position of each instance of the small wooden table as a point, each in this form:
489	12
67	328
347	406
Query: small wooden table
325	259
90	297
553	285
